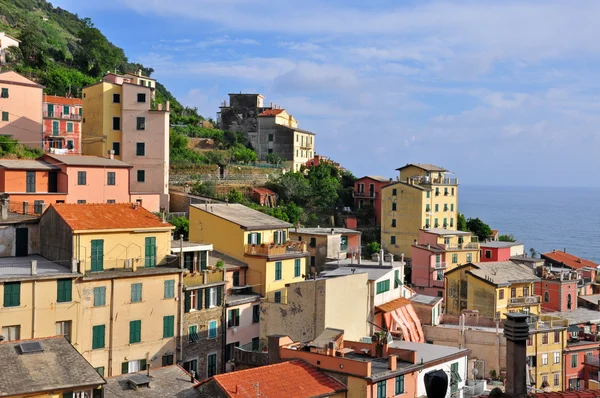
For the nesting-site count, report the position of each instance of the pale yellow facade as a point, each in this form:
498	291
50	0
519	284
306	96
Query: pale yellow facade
233	240
99	109
546	343
418	200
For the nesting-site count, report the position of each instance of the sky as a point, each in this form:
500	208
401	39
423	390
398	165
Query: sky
500	93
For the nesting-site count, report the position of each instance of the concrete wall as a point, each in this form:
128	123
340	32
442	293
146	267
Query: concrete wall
56	238
8	238
24	107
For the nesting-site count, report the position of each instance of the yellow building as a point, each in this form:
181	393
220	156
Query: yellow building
255	238
492	288
423	197
547	340
124	304
119	118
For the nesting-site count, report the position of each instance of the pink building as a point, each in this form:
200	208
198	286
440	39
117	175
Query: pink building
436	251
242	310
62	124
558	288
21	109
500	251
367	191
587	268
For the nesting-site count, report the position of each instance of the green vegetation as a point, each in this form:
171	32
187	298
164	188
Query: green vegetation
372	248
461	223
479	228
206	188
182	227
507	238
10	146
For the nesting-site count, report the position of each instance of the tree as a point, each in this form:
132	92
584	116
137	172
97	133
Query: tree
235	196
206	188
372	248
461	223
274	158
479	228
507	238
325	182
533	252
182	227
366	215
292	187
240	153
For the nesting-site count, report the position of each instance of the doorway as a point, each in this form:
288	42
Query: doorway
22	242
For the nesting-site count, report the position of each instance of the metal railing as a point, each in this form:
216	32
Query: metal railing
203	277
441	265
368	194
524	300
273	249
61	115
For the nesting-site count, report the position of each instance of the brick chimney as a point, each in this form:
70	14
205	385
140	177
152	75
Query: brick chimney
392	361
516	331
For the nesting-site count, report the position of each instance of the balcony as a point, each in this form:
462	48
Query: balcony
60	115
369	194
203	277
426	180
525	300
272	249
462	246
440	265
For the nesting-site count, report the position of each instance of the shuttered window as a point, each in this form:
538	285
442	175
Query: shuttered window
168	326
64	290
135	332
98	333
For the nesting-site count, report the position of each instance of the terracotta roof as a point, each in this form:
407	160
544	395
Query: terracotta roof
271	112
85	160
569	260
54	99
494	232
263	191
394	304
107	216
293	379
568	394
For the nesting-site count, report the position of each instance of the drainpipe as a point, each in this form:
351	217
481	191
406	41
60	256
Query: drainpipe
111	326
181	301
34	299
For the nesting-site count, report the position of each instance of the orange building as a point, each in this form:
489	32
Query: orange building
62	124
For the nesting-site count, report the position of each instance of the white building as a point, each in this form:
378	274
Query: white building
6	41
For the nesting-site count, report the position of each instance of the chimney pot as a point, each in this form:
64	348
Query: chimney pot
111	154
516	331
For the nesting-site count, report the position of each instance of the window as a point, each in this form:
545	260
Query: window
393	223
64	290
230	349
169	289
136	292
5	116
141	175
270	150
270	137
556	379
435	223
233	318
193	334
393	206
69	127
168	326
117	148
100	370
451	222
191	300
213	296
70	144
574	360
278	270
277	297
235	278
133	366
557	337
296	268
255	313
141	97
544	359
203	260
313	242
116	123
150	252
37	206
399	385
212	329
530	340
469	257
454	377
116	98
63	328
255	343
254	238
312	261
513	292
428	194
557	357
111	178
98	333
30	181
501	294
167	360
4	93
526	291
394	192
140	149
81	177
279	237
81	202
12	333
544	338
12	294
454	258
381	389
383	286
97	255
99	296
135	332
141	123
211	369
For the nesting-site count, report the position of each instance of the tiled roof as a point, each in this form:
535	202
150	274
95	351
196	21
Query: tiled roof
263	191
424	166
107	216
394	304
26	164
59	366
568	394
293	379
54	99
242	215
376	178
503	273
82	160
271	112
569	260
168	381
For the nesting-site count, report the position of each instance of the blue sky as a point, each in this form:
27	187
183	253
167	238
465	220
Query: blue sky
498	92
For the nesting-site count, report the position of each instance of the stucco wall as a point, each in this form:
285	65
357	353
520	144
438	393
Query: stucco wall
8	239
24	107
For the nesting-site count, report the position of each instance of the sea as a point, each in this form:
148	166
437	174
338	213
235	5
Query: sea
542	218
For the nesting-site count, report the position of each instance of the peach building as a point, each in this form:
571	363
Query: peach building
62	124
367	191
21	109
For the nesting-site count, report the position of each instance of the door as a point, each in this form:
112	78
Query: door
22	238
53	181
97	255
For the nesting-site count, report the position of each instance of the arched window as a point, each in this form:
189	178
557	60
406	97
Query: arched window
569	303
546	297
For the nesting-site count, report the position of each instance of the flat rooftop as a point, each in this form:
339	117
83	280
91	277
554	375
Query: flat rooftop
237	299
374	271
243	216
591	298
423	299
429	352
325	231
498	244
446	232
20	268
189	246
578	316
380	366
16	218
168	381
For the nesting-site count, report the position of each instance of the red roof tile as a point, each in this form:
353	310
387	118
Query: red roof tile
53	99
293	379
107	216
568	394
271	112
569	260
263	191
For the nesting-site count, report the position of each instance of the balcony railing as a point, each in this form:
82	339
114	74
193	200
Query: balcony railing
273	249
60	115
426	180
368	194
462	246
202	277
441	265
525	300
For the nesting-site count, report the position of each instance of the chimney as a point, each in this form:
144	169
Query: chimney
332	230
516	331
392	359
415	242
4	205
159	107
428	246
25	207
565	250
139	72
74	265
111	154
381	255
33	267
148	370
359	255
168	106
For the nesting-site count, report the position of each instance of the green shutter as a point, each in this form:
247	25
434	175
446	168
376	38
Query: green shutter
199	299
150	252
258	238
97	255
206	297
219	295
135	331
98	333
168	326
12	294
67	395
64	290
249	239
125	368
188	301
203	260
284	237
275	240
142	364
